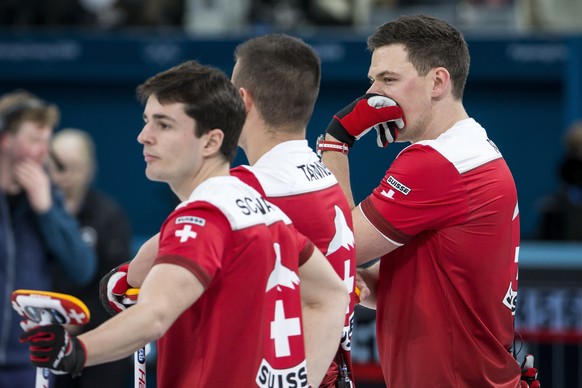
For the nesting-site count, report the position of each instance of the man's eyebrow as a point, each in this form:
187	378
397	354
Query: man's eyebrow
159	116
383	74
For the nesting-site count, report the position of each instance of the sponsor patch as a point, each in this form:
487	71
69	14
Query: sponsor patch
397	185
269	377
190	220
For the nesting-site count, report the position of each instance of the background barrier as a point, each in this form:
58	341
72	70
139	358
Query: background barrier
523	90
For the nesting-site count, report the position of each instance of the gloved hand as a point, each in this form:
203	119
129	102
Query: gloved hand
112	289
367	112
529	374
51	346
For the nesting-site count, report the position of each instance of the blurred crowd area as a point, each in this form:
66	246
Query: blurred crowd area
232	16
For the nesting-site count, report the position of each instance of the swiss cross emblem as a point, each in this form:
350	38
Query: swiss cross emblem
282	328
185	233
78	317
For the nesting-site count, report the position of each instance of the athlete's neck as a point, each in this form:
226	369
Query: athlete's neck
259	145
211	168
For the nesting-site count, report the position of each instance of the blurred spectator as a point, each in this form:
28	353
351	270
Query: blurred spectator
105	228
329	12
549	15
103	13
561	212
91	13
152	12
290	14
43	12
215	16
36	232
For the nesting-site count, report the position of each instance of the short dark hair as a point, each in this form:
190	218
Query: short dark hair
20	106
209	98
282	73
430	43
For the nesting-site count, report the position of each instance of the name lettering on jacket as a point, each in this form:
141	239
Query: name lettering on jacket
314	171
254	205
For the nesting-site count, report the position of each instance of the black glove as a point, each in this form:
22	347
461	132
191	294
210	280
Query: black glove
51	346
367	112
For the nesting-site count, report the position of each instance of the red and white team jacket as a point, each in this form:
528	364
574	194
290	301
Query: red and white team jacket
292	177
446	296
245	329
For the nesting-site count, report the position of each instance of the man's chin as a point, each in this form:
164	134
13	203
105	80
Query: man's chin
152	176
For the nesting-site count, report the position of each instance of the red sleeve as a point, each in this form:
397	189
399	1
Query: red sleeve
305	246
306	252
194	237
421	191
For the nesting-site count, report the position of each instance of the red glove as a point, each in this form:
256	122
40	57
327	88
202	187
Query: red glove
529	374
51	346
113	288
367	112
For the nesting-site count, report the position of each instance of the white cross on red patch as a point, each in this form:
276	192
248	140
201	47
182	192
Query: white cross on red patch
185	233
282	328
80	318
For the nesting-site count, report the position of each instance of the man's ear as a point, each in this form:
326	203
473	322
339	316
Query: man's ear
214	140
247	98
441	82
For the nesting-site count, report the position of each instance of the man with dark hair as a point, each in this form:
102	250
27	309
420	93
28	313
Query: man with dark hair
227	268
444	220
36	232
278	78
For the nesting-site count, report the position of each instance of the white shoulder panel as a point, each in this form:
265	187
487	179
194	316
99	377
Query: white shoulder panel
465	145
242	205
292	168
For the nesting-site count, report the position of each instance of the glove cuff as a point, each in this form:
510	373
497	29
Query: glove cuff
336	130
80	353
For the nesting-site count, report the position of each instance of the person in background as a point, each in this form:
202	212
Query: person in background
561	211
105	228
36	231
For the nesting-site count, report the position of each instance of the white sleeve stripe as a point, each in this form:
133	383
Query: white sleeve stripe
382	234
